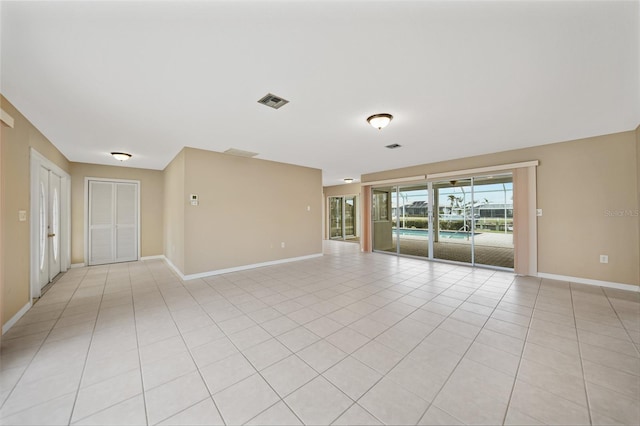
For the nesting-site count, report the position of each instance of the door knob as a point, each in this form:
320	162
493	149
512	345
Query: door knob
51	235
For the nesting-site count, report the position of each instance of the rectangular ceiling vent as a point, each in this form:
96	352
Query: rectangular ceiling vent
393	146
240	153
273	101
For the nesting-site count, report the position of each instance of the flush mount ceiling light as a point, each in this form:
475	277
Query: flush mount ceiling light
380	121
348	180
121	156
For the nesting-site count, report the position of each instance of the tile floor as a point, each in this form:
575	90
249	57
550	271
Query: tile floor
348	338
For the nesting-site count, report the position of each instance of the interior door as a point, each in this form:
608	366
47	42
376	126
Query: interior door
43	227
53	235
113	222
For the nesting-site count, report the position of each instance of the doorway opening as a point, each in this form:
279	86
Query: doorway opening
50	222
343	218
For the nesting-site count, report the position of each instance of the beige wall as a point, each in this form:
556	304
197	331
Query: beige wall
175	203
579	184
248	207
151	205
336	191
16	144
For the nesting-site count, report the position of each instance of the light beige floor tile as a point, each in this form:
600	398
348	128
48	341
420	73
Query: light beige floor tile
201	414
448	340
243	401
613	404
611	378
236	324
495	358
603	341
392	404
507	328
304	315
612	359
226	372
547	407
352	377
377	356
501	341
288	375
422	378
356	415
368	327
298	338
166	370
279	325
266	353
249	337
129	412
276	415
318	402
214	351
95	398
549	357
517	417
321	355
347	340
53	412
558	382
436	416
201	336
173	397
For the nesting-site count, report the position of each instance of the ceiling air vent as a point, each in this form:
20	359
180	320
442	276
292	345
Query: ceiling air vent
240	153
273	101
393	146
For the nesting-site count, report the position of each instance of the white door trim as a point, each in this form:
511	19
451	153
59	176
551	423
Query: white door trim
37	161
86	211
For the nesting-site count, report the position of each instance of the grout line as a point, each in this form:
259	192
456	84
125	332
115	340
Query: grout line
584	379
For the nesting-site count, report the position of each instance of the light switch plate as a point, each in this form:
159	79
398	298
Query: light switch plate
538	212
22	215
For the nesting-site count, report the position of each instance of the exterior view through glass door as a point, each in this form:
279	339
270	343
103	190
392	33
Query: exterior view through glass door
471	220
343	217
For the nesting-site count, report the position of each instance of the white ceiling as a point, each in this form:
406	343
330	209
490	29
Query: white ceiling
461	78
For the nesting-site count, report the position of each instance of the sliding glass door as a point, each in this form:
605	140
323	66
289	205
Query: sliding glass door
453	227
343	216
469	220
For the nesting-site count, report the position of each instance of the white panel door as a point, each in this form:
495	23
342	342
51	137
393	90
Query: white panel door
113	222
43	227
126	222
54	225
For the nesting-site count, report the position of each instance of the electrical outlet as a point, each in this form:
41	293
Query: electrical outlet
22	215
604	258
282	244
538	212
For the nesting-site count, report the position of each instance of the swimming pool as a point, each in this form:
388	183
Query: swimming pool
425	233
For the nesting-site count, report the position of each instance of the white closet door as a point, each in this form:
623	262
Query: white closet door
101	222
126	222
113	222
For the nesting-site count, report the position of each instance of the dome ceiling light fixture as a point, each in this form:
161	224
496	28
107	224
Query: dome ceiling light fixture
348	180
380	121
121	156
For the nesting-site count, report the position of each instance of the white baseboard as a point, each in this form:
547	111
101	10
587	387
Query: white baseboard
588	281
238	268
157	256
14	319
77	265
